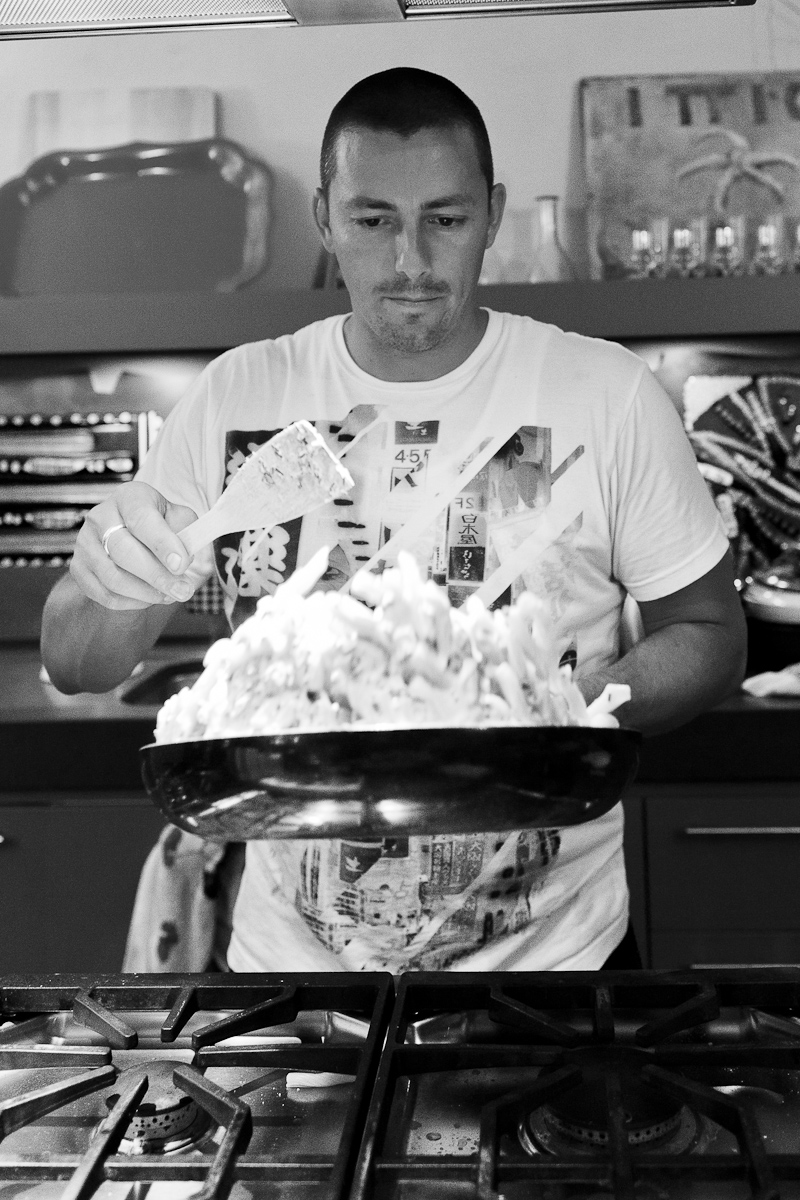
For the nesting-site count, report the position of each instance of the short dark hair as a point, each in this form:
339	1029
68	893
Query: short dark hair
404	100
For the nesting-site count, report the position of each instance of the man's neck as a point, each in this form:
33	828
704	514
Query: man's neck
395	366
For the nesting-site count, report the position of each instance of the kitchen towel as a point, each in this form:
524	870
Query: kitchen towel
775	683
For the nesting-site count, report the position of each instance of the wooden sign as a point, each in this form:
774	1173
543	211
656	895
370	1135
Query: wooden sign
686	147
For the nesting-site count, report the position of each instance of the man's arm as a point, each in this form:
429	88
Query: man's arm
105	615
89	648
691	657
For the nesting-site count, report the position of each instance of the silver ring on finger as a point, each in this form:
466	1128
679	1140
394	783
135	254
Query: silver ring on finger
107	535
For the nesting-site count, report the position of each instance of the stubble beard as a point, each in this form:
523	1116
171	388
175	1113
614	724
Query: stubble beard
412	334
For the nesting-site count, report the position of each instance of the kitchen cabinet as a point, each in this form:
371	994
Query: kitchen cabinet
719	873
69	867
214	321
633	847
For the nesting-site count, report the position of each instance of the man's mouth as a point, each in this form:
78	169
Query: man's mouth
414	299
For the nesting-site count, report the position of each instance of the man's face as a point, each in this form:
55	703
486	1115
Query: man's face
409	219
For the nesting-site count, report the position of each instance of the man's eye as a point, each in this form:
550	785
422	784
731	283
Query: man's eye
449	222
370	222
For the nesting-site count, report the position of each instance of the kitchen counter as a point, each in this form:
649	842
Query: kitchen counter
26	697
51	741
744	738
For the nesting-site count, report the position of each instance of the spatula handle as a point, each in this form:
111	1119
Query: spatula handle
203	530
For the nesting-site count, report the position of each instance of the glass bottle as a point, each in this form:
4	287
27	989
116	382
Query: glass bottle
514	244
551	262
492	267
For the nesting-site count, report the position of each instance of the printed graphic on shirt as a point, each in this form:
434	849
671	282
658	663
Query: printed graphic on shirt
256	562
421	902
250	565
395	472
380	903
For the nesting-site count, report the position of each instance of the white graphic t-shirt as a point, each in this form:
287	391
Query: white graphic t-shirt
546	461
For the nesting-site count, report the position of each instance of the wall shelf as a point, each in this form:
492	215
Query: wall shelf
214	321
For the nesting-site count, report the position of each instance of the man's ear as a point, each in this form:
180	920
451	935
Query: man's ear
497	204
322	219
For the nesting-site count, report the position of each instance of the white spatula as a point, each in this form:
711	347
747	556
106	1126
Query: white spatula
287	477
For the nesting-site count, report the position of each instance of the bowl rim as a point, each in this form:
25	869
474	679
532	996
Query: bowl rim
367	732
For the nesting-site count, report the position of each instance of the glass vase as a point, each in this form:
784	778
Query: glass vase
551	262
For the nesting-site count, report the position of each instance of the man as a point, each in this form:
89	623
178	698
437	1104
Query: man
575	480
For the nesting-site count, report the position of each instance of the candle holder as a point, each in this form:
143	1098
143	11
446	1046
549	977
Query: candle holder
769	256
687	252
727	248
648	255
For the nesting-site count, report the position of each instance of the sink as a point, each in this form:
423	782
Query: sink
162	683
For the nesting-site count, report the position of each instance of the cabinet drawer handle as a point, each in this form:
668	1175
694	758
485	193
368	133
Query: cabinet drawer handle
742	830
734	966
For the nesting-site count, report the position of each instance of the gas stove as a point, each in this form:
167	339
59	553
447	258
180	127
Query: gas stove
636	1086
164	1086
578	1086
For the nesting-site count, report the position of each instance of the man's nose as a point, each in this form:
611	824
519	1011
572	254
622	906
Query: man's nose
411	257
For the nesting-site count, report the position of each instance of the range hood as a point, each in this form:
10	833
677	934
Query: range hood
63	18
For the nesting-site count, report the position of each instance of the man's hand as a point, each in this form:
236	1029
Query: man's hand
102	618
144	561
692	655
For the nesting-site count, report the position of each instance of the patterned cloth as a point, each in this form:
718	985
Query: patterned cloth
209	598
181	915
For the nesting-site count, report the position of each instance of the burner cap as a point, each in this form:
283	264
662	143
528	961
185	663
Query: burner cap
166	1119
577	1122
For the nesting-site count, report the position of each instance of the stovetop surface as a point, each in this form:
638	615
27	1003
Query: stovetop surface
637	1086
259	1087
